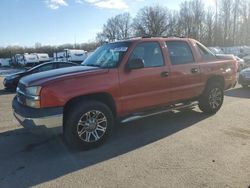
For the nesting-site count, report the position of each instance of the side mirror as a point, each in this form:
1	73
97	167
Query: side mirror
135	64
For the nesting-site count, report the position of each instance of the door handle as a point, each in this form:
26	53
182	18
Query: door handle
165	74
194	70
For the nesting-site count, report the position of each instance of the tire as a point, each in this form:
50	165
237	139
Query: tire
244	86
212	98
81	128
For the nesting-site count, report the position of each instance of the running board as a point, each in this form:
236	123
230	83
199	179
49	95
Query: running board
138	116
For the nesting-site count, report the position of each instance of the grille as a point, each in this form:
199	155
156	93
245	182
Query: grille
21	87
20	93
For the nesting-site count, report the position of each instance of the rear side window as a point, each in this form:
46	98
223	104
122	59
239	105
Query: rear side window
179	52
149	52
206	54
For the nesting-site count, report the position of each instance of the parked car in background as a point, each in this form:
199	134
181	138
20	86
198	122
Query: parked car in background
247	60
30	60
216	50
42	57
10	82
125	81
18	60
72	55
244	78
77	56
5	62
241	63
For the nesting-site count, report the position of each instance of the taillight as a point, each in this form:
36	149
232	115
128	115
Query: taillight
235	64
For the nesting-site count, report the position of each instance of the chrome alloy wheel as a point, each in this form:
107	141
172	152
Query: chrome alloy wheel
92	126
215	98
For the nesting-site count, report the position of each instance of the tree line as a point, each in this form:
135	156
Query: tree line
227	23
10	51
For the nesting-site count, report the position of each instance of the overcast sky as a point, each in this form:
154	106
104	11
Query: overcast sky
54	22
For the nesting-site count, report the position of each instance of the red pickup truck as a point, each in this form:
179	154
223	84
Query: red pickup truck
125	81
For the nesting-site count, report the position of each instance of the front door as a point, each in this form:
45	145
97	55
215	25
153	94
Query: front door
145	88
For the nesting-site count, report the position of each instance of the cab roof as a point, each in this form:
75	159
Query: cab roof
149	38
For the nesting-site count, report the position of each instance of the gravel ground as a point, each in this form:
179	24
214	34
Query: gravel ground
177	149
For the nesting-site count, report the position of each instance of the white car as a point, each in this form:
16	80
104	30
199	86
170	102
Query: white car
241	63
244	78
247	60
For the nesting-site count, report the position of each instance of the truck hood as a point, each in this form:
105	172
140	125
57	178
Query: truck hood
39	79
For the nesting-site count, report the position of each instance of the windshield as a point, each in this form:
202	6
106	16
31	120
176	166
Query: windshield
108	55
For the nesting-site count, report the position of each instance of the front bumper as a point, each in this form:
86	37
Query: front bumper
8	83
31	117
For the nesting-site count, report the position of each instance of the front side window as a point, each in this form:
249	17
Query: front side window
179	52
149	52
108	55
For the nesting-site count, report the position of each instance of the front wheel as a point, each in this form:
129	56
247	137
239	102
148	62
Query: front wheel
88	125
212	98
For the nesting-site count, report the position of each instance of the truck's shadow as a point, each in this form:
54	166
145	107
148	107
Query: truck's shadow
239	92
28	159
6	92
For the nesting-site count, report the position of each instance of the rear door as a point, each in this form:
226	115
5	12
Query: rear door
185	72
145	88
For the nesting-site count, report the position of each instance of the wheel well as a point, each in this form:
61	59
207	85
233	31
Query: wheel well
101	97
216	79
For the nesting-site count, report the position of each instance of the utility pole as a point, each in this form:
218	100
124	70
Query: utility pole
75	40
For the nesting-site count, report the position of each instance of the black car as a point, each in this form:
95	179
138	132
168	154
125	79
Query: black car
10	82
244	77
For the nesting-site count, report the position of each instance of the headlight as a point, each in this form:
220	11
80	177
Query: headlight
33	91
33	103
32	95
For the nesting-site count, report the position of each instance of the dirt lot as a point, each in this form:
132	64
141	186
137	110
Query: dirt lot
178	149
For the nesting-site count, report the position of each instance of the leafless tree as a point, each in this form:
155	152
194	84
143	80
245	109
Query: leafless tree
191	18
174	26
116	28
226	17
151	21
208	32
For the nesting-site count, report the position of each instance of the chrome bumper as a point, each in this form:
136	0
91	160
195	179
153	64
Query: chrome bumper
30	117
48	122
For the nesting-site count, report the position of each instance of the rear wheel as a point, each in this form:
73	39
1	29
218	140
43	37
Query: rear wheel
88	125
212	98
